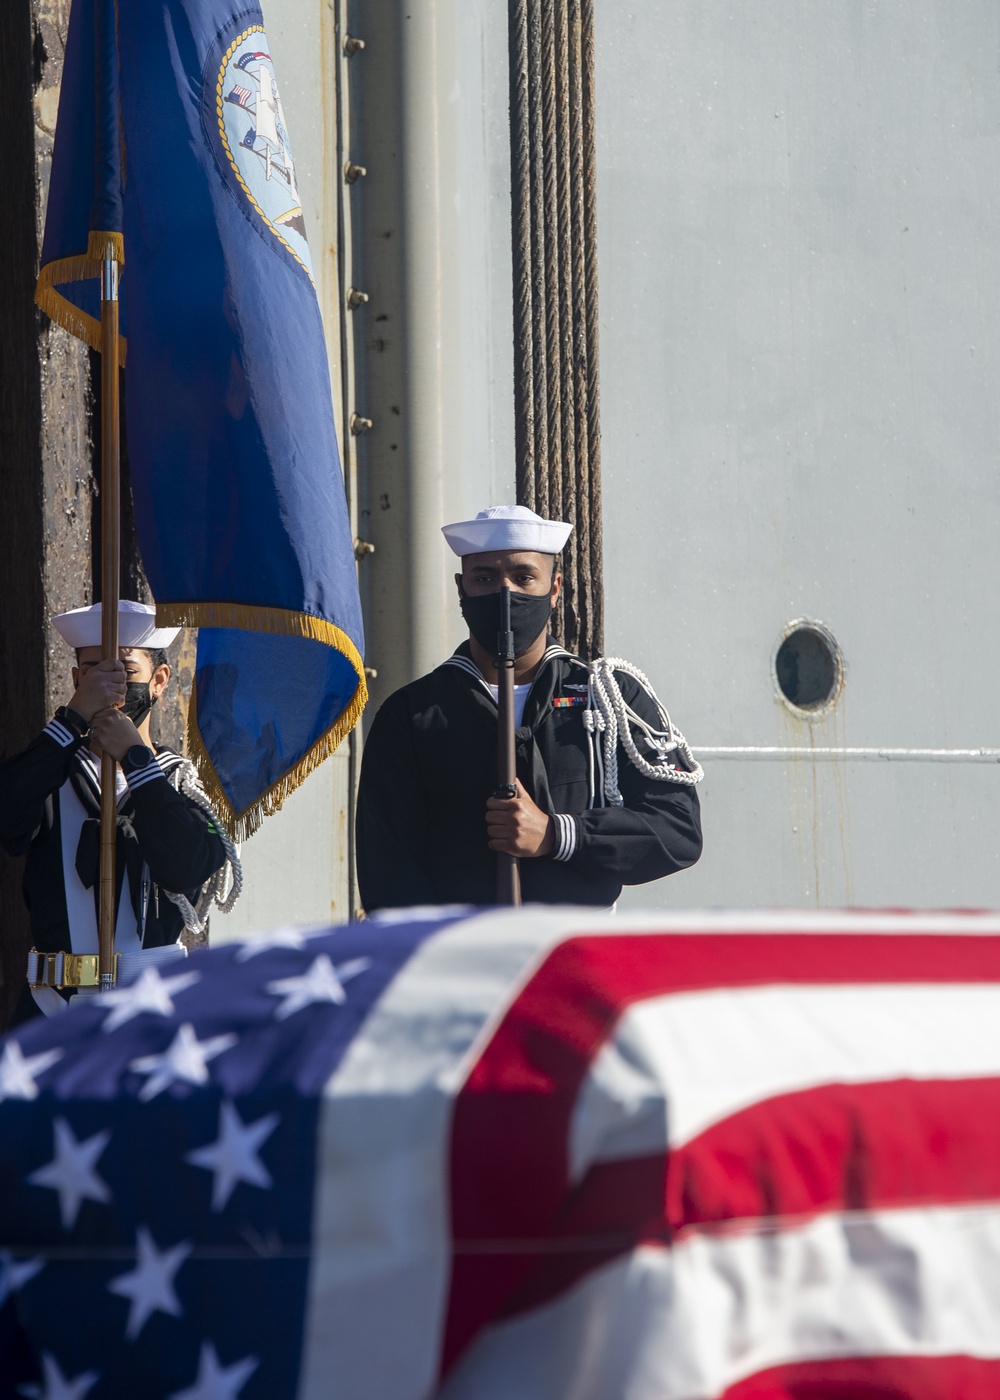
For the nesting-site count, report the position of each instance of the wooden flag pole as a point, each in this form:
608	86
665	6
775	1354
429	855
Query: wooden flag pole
110	571
508	869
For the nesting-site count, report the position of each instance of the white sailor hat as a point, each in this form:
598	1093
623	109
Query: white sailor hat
81	627
507	527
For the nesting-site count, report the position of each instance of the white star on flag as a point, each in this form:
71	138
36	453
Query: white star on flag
14	1274
150	1285
322	982
215	1381
150	992
185	1058
233	1156
56	1385
18	1073
71	1171
264	942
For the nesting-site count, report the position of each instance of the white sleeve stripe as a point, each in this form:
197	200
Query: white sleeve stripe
565	836
150	774
64	737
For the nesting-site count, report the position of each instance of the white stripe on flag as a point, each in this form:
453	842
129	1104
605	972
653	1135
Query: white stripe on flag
379	1278
783	921
687	1323
694	1058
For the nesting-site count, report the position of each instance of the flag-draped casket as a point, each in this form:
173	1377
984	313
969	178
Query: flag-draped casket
533	1154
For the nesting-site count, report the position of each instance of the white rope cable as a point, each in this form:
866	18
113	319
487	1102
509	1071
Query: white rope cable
609	713
225	886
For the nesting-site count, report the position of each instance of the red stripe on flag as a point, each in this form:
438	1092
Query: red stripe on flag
616	1207
841	1147
875	1378
511	1119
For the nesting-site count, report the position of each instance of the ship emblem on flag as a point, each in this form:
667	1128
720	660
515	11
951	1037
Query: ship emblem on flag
247	121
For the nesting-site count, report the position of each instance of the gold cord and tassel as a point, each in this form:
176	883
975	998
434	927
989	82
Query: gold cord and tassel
79	268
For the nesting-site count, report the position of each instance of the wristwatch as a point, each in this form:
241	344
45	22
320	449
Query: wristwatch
73	722
137	757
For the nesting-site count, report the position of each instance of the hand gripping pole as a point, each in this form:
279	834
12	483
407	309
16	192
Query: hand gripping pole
110	569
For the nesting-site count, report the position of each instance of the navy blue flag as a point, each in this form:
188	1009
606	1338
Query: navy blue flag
83	221
172	137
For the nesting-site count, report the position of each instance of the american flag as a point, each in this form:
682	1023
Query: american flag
516	1155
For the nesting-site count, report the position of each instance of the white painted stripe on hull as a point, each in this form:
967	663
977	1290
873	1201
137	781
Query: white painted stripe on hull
782	753
688	1323
677	1064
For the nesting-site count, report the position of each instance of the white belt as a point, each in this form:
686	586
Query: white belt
79	971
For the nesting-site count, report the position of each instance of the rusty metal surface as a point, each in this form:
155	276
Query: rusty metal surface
22	668
67	495
64	451
45	544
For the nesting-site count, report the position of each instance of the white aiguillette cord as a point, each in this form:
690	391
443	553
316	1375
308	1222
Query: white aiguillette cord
608	714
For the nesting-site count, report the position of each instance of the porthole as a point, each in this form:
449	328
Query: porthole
808	668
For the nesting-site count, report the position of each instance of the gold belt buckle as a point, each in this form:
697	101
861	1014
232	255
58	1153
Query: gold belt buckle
66	969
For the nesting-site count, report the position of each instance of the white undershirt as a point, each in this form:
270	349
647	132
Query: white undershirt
520	696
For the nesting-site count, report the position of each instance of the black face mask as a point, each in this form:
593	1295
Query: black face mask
138	701
529	617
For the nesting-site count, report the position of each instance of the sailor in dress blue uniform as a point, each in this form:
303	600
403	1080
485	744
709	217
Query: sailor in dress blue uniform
173	858
606	786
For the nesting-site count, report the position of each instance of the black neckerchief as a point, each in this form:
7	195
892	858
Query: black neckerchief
553	669
128	856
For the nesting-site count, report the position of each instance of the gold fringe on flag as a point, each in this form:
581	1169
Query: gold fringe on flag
252	617
79	268
282	622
